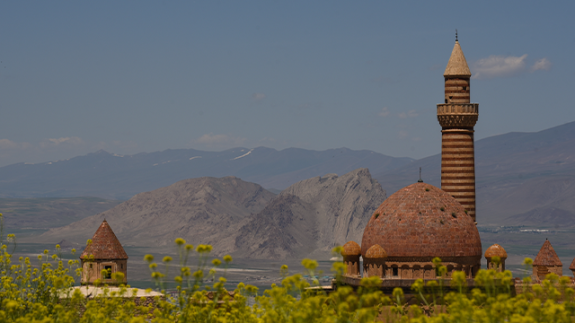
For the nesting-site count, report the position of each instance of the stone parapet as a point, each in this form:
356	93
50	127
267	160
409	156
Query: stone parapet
388	285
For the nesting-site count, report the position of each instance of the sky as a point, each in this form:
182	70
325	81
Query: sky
144	76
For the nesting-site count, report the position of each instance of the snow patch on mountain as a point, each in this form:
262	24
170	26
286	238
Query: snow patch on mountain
244	155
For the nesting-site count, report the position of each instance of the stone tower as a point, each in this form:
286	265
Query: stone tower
103	257
547	262
457	117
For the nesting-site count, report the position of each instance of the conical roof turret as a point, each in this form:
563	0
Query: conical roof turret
105	245
547	256
457	65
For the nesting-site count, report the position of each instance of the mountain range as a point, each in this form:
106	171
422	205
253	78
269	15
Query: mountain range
520	177
111	176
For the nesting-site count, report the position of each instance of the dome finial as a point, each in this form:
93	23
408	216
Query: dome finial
420	180
455	34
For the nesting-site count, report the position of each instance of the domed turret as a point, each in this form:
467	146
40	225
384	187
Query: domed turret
496	251
351	248
376	252
418	223
351	252
374	261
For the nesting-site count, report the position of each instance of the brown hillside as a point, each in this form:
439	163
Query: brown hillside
199	210
307	219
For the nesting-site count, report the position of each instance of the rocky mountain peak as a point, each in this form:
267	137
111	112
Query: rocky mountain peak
307	219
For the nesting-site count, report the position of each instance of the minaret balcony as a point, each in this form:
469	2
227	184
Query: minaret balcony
457	108
457	115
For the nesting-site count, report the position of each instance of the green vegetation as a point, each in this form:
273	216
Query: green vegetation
43	294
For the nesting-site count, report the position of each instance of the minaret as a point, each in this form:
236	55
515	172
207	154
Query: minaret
457	116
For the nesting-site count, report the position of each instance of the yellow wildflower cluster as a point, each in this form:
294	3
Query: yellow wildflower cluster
43	294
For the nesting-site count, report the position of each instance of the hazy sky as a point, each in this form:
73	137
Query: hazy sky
143	76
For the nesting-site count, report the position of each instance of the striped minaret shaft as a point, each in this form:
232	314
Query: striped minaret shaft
457	117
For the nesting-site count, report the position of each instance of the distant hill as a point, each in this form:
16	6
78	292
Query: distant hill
109	176
312	216
200	210
550	216
241	218
515	173
24	215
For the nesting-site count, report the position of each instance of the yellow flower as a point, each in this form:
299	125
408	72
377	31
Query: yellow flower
309	264
198	274
180	241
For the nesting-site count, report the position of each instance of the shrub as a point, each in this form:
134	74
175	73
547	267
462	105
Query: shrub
41	294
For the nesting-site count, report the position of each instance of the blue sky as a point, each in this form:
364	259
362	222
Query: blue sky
142	76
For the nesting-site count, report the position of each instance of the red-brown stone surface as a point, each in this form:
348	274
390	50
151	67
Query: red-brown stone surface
496	251
422	221
547	256
376	252
351	248
572	267
105	245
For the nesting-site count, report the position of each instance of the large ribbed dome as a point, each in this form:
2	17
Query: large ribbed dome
421	222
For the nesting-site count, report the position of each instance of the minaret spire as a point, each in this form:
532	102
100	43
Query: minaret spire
420	180
457	117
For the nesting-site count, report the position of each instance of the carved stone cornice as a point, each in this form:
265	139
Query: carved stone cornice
457	115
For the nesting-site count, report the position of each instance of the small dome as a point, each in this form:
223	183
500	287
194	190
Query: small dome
496	251
351	248
572	267
376	252
422	221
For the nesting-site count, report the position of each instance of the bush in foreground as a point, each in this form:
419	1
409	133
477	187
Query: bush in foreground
43	294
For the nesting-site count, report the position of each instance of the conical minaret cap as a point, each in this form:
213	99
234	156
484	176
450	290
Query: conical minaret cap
457	65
